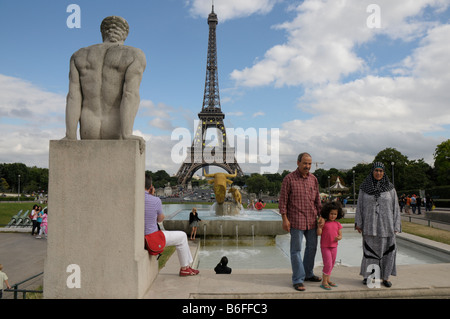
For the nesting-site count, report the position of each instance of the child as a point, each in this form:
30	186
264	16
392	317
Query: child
43	230
193	222
3	278
331	233
222	267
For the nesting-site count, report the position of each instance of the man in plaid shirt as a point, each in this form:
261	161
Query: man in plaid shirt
300	207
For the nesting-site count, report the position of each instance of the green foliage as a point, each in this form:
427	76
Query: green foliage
442	163
32	179
257	183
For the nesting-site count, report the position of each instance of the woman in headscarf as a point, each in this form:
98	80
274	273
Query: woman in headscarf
377	217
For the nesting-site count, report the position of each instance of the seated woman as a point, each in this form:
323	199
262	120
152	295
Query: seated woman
260	204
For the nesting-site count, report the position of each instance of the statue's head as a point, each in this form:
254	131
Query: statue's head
114	29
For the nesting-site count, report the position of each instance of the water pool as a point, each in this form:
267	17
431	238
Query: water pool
209	214
258	254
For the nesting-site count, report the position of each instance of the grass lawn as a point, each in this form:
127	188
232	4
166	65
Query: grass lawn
8	210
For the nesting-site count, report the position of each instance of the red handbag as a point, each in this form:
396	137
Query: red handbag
155	243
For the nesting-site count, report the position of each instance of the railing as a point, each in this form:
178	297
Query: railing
429	221
15	288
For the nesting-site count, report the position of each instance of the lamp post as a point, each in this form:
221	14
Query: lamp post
329	190
18	190
354	193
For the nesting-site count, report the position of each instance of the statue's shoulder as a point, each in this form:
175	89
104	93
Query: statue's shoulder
138	53
87	50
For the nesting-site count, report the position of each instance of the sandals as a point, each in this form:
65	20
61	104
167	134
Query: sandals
326	287
332	284
313	278
299	287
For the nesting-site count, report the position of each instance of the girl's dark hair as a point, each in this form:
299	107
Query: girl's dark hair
328	207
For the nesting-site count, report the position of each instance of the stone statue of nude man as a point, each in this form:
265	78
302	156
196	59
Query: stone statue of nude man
104	82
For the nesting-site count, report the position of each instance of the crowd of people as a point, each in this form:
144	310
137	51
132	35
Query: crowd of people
38	217
415	203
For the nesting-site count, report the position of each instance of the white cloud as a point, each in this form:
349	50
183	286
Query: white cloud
256	114
30	117
231	9
162	124
23	100
356	120
321	41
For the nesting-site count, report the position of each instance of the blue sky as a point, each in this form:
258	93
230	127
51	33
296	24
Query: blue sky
314	70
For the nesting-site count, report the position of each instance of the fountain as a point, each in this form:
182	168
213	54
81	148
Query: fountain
220	182
265	222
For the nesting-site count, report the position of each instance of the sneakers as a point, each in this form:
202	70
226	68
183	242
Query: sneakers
188	272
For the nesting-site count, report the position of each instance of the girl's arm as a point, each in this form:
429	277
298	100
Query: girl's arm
319	229
339	236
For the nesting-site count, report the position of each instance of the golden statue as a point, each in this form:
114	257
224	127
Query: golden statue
220	181
236	195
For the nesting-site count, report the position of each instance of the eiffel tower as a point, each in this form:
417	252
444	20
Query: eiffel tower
200	154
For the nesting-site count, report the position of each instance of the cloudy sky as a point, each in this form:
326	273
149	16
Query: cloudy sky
340	79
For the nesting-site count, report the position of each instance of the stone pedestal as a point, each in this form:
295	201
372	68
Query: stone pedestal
96	221
227	209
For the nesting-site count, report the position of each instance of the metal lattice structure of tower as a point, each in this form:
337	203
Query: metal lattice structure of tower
211	116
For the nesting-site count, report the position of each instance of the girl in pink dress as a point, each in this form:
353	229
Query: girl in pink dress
331	233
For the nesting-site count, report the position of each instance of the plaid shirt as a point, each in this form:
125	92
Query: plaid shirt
300	200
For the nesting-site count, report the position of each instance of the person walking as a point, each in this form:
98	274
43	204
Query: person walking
419	204
3	281
34	215
408	205
377	218
300	207
43	231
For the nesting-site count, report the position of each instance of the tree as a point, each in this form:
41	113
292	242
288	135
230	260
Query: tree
257	183
389	156
442	163
4	186
418	175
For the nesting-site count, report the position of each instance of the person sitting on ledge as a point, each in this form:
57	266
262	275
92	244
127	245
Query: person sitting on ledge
153	216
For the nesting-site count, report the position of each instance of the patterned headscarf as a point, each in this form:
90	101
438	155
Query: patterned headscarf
373	187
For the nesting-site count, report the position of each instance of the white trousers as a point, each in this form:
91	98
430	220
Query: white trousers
179	240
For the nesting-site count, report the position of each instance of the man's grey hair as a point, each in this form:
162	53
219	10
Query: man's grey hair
300	156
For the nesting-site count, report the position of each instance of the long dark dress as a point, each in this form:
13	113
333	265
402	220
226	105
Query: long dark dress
379	219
